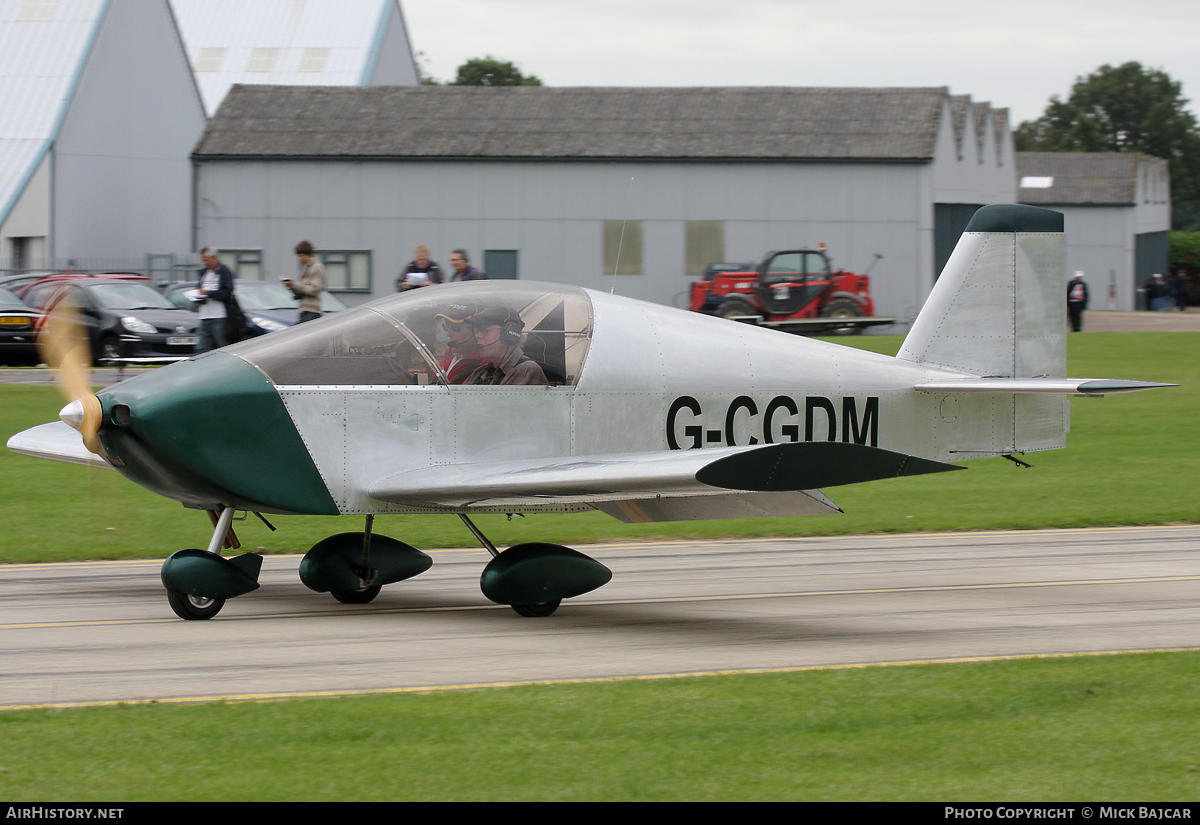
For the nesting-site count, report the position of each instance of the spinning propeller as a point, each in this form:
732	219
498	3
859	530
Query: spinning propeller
64	346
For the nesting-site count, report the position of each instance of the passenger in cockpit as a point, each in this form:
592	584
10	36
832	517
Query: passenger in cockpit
462	357
498	332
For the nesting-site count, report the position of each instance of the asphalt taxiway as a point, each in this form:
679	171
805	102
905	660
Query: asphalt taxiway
103	632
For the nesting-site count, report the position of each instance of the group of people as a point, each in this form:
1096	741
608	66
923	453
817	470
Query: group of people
484	346
1166	294
1162	294
421	271
221	319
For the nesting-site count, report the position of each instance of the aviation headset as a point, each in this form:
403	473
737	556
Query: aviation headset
510	323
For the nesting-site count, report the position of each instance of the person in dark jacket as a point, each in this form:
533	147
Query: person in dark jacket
215	292
1179	286
420	272
463	271
1077	300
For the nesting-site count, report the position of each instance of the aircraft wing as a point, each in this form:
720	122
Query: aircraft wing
57	441
1076	386
596	479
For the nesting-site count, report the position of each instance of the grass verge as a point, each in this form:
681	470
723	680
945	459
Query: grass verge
1090	728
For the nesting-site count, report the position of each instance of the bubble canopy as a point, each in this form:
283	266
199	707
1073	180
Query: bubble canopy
399	340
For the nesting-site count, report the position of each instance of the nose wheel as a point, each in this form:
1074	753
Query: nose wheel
362	595
193	608
533	611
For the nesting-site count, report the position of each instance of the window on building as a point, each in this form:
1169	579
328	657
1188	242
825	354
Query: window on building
210	60
243	263
262	60
314	60
704	244
623	247
346	270
500	264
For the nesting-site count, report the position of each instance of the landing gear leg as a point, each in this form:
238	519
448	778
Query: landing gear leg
367	591
187	606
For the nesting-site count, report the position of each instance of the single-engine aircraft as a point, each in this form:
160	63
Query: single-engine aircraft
645	412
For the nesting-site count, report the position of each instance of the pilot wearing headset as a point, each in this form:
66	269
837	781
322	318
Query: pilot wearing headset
498	333
462	357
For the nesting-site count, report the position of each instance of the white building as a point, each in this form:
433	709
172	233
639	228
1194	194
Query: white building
1117	208
539	183
98	113
295	43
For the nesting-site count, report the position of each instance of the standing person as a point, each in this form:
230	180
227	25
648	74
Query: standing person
498	332
1180	287
215	292
420	272
1077	300
312	282
463	271
1160	293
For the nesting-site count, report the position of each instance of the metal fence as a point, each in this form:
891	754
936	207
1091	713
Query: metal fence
163	268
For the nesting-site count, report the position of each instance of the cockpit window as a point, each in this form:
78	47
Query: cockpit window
402	339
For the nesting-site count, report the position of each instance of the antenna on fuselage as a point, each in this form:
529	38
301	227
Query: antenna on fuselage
621	240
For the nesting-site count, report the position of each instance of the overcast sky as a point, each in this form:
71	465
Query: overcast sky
1014	54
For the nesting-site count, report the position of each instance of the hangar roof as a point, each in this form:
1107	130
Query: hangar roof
43	48
539	123
1066	178
292	42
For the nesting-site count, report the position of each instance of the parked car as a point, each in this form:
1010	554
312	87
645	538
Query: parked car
124	318
18	330
15	281
268	306
21	284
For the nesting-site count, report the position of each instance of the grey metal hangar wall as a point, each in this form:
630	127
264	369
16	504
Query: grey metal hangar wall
572	185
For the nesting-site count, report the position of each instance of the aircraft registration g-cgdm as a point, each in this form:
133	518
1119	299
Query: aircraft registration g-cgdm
644	412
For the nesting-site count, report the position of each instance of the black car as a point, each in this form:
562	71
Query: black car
18	329
268	306
124	318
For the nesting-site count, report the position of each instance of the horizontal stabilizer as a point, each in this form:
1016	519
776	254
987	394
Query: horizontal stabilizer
56	441
803	466
1077	386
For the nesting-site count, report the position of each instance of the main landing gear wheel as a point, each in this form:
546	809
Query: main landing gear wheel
362	595
534	611
193	607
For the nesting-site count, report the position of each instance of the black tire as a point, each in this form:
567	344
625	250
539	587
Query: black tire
535	611
735	306
843	308
193	608
364	595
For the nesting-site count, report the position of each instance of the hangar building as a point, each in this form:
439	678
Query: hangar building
1117	208
98	114
295	43
548	183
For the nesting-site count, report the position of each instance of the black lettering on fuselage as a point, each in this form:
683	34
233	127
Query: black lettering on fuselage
693	431
779	421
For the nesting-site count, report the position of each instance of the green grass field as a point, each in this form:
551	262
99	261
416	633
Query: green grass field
1129	460
1096	728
